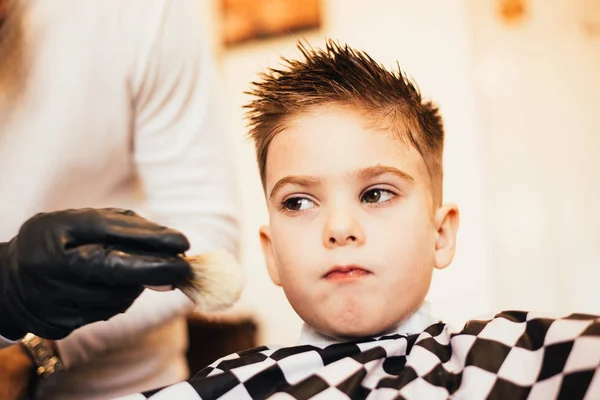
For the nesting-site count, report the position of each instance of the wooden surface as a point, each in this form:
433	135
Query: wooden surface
210	339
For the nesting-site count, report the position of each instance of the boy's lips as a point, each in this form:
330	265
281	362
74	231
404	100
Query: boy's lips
346	272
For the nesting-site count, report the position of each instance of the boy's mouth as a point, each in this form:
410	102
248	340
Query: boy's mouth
344	272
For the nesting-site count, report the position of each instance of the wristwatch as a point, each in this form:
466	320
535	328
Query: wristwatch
43	355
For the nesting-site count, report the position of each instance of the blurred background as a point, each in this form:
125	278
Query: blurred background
518	83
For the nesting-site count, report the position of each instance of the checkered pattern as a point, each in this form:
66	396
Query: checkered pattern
511	355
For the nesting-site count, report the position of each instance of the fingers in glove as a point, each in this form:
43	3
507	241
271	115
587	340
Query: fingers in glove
114	226
116	267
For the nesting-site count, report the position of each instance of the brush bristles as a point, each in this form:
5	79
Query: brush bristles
216	283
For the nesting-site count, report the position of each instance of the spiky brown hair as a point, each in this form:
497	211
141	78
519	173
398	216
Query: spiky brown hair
341	75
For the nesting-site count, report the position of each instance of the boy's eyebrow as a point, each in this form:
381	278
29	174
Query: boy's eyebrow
362	174
300	180
378	170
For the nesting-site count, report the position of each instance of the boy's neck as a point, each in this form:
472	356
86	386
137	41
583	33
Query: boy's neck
415	323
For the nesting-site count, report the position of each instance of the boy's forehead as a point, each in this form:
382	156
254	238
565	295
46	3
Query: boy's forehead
334	140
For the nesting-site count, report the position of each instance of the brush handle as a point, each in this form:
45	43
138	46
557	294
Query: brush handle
164	288
187	290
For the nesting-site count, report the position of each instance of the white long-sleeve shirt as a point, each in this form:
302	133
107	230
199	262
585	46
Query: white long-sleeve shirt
120	110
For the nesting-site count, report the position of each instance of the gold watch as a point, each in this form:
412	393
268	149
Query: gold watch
43	355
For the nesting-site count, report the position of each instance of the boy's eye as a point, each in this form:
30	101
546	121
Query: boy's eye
298	204
377	196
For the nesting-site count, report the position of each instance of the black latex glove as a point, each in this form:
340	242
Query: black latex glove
69	268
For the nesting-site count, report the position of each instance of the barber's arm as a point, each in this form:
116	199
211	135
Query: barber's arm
184	166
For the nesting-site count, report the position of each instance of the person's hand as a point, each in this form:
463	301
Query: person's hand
16	370
66	269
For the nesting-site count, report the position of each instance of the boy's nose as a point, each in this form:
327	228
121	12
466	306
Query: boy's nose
342	229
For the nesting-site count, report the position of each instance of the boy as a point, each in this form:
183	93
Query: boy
350	158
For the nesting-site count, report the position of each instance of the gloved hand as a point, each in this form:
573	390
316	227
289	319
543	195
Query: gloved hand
69	268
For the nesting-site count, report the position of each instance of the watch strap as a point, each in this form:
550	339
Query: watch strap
43	355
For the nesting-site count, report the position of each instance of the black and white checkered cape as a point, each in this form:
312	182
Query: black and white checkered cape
512	355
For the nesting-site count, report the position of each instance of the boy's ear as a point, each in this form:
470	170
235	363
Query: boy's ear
446	224
267	248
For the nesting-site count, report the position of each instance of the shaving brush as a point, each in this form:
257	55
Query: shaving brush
216	282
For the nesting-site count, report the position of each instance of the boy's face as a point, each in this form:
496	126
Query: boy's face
354	235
